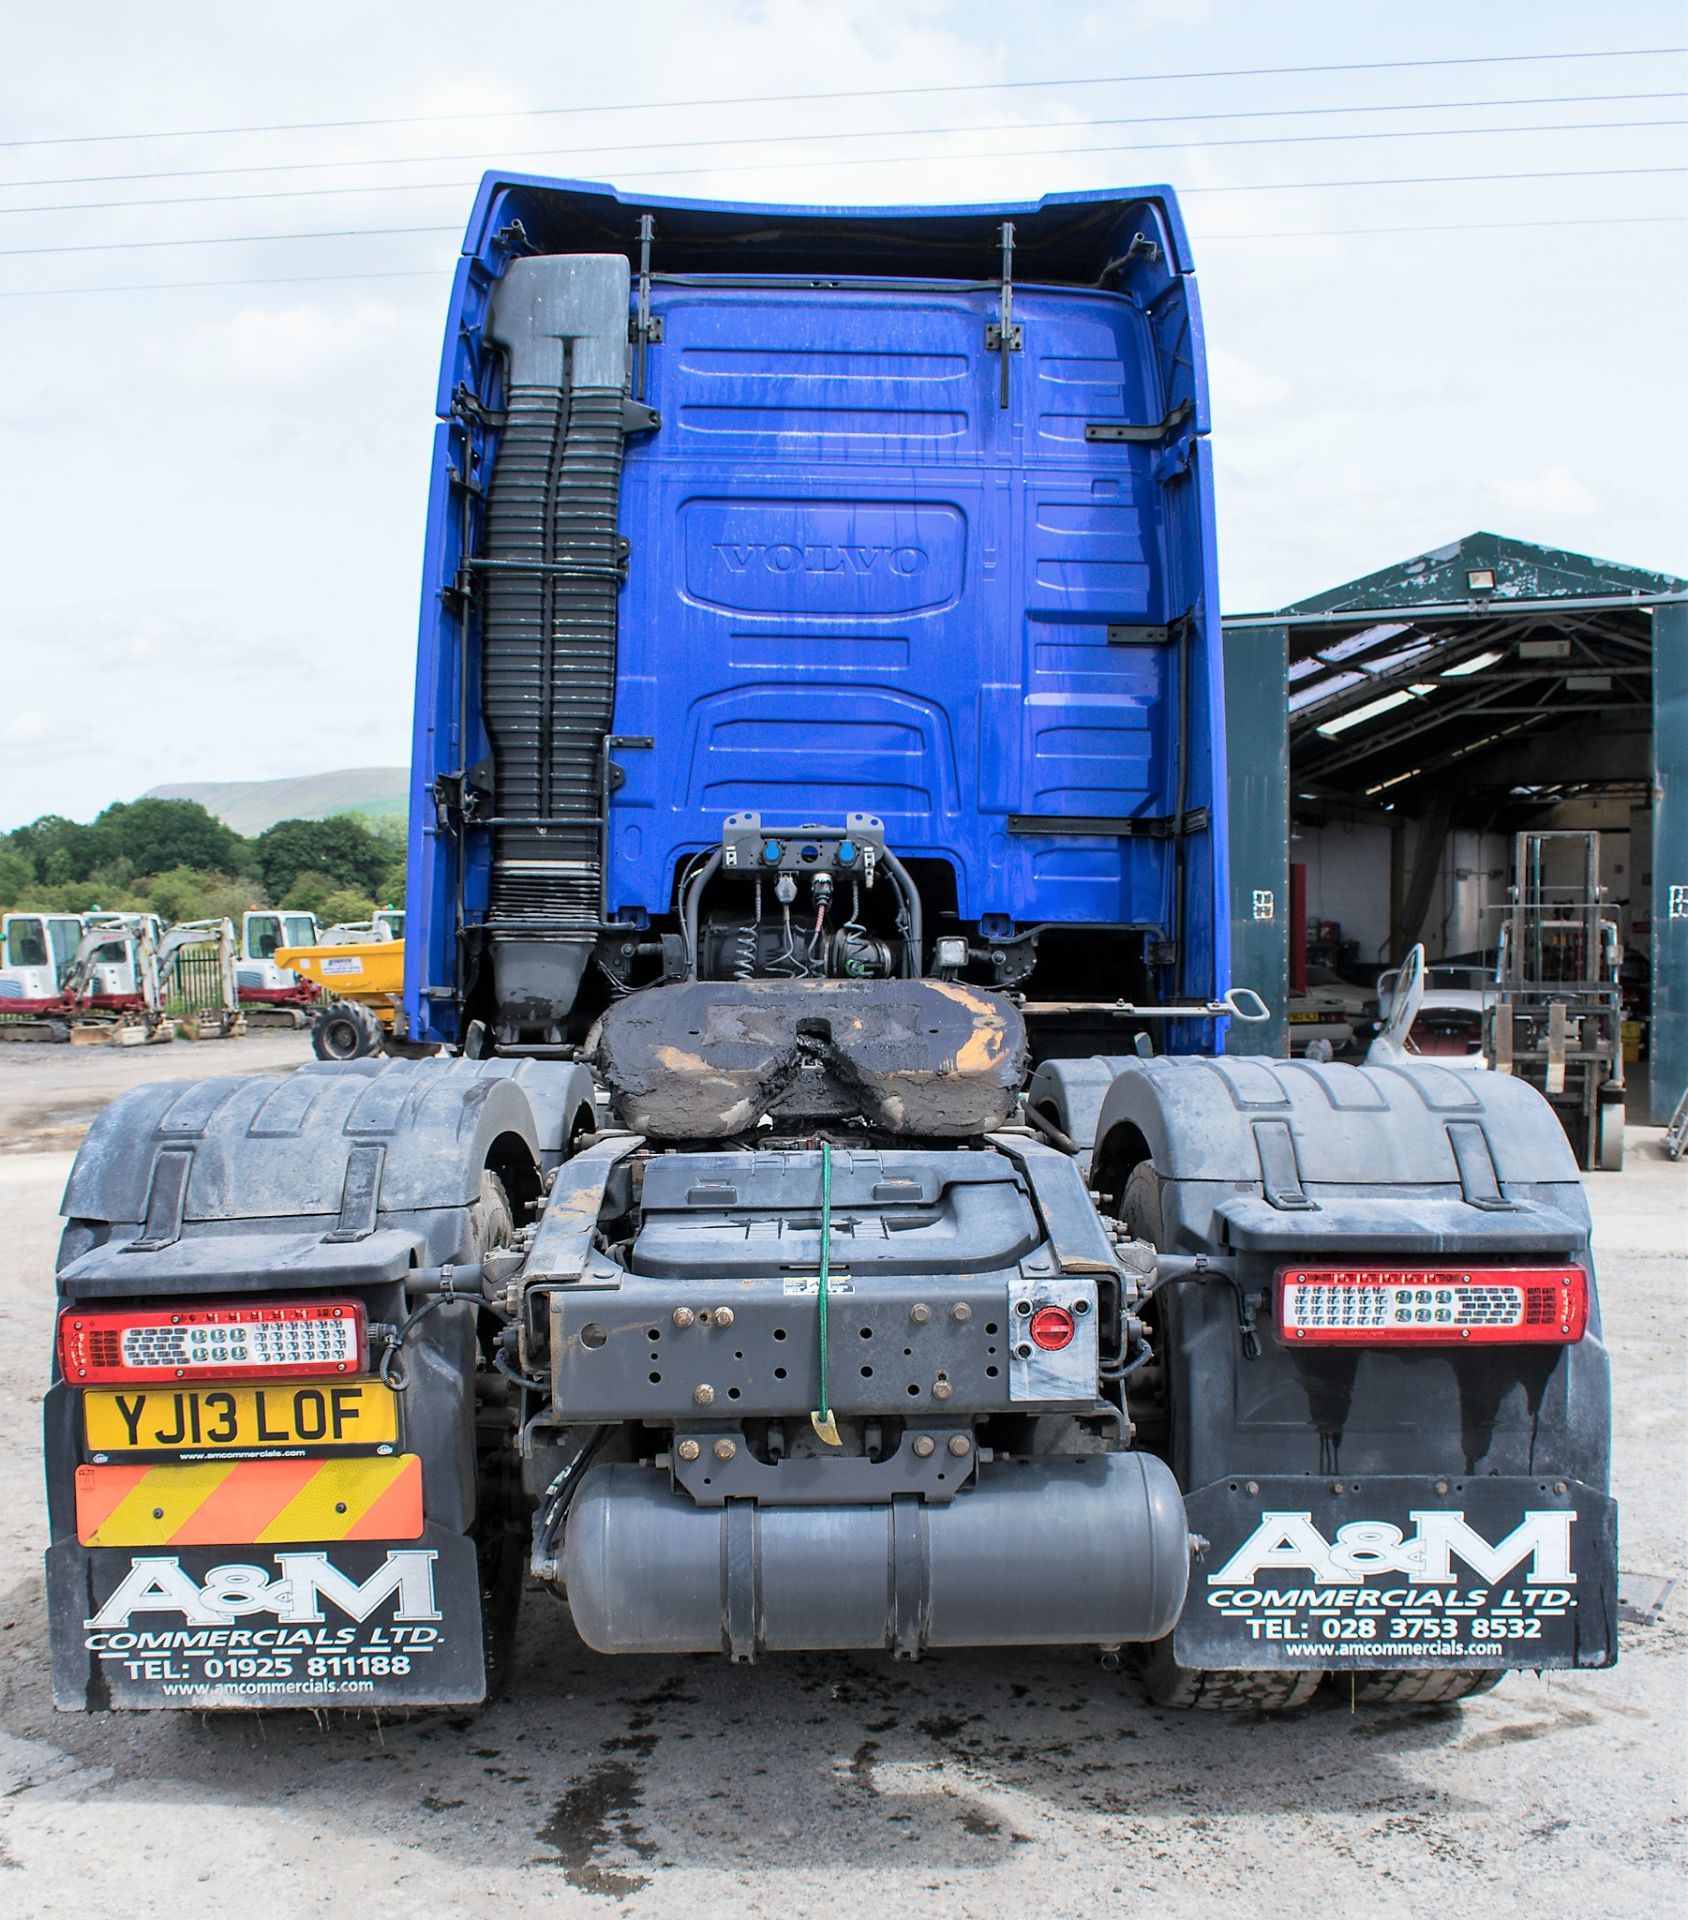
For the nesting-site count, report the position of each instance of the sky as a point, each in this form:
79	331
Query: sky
212	495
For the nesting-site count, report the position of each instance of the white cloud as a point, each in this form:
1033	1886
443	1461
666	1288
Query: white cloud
280	346
1241	387
1552	494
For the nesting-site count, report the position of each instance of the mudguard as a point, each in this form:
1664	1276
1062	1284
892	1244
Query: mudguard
1382	1505
338	1176
1071	1093
184	1186
337	1620
1401	1571
1308	1138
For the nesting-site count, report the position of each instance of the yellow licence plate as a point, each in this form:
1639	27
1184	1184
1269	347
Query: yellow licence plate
1313	1019
243	1420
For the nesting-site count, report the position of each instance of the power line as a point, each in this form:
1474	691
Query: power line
855	93
1253	186
1203	241
1184	193
1456	226
245	199
502	155
863	160
225	240
260	280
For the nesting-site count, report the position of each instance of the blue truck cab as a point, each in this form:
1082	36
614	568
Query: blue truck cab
914	519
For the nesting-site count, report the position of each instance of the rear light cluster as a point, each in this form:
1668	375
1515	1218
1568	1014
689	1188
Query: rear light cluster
1432	1306
287	1339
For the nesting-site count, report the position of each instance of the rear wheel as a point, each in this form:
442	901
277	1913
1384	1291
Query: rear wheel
500	1538
1609	1137
1140	1204
344	1030
1417	1686
1213	1690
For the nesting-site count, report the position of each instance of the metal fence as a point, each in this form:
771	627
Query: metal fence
193	982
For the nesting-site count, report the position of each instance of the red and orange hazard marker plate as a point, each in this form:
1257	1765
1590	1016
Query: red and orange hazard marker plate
249	1502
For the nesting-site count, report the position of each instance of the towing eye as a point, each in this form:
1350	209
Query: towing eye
826	1428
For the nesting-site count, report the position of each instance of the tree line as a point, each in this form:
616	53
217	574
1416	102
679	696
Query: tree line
176	859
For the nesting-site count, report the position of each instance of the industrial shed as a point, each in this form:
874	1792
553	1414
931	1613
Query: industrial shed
1411	722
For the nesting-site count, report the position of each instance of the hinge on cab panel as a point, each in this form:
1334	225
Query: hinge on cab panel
1145	435
615	775
447	796
644	330
1006	336
459	797
512	239
1124	633
1141	248
465	405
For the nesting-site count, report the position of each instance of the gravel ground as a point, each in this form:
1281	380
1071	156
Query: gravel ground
48	1094
972	1784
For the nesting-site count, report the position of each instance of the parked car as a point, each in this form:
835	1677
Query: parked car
1331	1009
1449	1027
1471	975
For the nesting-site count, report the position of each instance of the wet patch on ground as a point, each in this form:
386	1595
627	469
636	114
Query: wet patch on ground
595	1819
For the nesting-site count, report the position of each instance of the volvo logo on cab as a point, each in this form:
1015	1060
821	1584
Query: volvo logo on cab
786	556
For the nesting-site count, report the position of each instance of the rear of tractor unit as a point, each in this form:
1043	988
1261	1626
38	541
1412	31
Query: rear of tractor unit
832	1222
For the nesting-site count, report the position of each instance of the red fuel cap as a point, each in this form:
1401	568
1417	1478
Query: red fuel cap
1051	1328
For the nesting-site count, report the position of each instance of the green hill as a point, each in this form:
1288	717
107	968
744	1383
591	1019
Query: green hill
249	806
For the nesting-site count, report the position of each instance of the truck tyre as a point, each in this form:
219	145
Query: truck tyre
1168	1684
500	1546
1140	1204
1416	1686
345	1030
1609	1136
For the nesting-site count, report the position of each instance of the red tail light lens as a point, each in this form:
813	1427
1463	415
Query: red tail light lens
278	1340
1052	1329
1432	1306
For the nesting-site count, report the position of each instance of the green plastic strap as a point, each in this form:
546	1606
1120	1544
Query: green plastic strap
826	1260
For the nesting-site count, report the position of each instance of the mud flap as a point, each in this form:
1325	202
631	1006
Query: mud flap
345	1624
1391	1571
